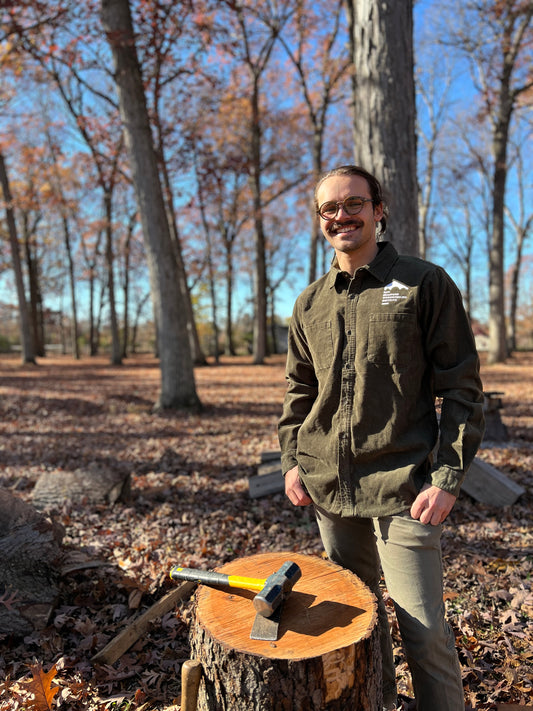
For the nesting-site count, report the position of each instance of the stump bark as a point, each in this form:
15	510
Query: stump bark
327	656
30	556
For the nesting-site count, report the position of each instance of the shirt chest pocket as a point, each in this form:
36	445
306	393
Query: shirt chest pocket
320	341
392	339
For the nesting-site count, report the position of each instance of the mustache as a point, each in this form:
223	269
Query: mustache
334	227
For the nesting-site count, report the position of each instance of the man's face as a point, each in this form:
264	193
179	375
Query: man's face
351	235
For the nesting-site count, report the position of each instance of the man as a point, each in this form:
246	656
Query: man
371	345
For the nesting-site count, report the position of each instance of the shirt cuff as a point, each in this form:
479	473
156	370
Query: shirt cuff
447	479
288	461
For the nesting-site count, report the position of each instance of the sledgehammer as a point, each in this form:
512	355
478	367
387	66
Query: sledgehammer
271	591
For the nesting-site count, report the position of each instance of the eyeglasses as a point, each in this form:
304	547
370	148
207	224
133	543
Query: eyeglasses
352	205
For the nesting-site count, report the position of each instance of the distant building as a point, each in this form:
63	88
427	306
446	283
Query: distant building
481	335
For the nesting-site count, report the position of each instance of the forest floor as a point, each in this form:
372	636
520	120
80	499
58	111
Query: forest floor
190	506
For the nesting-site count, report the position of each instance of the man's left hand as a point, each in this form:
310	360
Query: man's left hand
432	505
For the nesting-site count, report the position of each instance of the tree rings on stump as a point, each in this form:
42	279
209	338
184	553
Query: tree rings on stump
327	656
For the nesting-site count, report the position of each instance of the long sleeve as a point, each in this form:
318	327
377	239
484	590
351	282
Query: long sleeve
302	389
451	350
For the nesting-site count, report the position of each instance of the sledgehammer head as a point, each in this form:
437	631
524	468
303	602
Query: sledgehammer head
276	588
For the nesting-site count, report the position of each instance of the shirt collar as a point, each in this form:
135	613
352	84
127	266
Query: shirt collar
379	267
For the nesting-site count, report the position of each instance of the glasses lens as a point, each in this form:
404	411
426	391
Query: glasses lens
353	205
328	209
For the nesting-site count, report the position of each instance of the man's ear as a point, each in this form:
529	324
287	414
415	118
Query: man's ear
378	212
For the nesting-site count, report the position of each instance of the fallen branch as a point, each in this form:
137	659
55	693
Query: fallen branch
123	641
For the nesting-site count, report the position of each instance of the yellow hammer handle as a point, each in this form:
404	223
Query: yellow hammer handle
238	581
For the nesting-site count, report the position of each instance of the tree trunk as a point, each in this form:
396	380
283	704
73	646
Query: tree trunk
197	354
515	23
228	252
515	281
72	284
93	342
26	340
327	656
116	351
384	108
126	287
260	282
497	331
68	248
36	302
178	389
316	233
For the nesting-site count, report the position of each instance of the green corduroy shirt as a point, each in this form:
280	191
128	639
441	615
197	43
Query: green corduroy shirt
367	357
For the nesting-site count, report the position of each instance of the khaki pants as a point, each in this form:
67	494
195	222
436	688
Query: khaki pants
409	554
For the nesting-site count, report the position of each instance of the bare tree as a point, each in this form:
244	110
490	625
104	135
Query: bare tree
433	90
255	50
178	389
521	218
26	339
499	52
320	71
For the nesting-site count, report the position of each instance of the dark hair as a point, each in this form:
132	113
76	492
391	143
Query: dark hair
374	186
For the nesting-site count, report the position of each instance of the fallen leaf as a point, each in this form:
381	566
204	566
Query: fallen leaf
41	688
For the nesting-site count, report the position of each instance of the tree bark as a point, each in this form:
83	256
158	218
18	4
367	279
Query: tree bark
35	305
30	553
116	350
326	658
26	339
68	245
228	253
94	484
260	301
178	389
507	98
384	108
72	284
197	354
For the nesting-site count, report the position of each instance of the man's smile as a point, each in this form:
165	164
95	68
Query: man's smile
343	227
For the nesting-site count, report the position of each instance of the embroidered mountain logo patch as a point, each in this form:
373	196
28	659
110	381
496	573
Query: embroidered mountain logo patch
394	292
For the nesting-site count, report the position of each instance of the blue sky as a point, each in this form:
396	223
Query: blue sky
461	93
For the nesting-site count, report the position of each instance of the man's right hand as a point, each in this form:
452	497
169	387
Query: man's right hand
295	490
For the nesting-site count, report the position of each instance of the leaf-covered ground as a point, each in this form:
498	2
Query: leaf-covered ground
190	506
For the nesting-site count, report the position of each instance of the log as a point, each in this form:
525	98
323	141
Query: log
30	566
489	485
95	484
269	479
326	658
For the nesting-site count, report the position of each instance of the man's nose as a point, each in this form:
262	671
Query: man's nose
341	210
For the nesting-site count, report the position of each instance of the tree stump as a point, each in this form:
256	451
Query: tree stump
30	556
327	656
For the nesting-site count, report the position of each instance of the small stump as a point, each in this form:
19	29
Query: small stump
327	656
